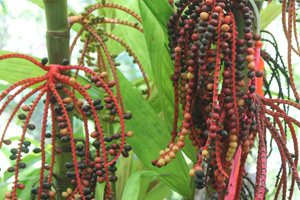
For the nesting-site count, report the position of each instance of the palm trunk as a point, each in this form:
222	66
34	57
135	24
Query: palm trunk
58	37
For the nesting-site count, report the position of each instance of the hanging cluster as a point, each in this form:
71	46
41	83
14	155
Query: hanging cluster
290	29
215	80
94	38
86	169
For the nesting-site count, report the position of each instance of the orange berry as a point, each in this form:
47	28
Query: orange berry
103	74
129	134
221	178
232	138
210	86
52	193
249	58
4	93
204	15
80	103
8	194
101	179
64	131
88	86
251	65
65	195
177	49
67	100
25	108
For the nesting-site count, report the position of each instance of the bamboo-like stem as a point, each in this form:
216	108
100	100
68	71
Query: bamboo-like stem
58	37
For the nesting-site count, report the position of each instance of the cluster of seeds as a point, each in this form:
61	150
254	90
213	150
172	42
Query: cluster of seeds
94	39
86	169
215	80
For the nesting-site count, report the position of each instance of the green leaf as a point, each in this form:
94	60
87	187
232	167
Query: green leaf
15	69
160	191
100	191
38	2
161	10
152	135
155	102
138	183
160	61
271	12
123	173
31	176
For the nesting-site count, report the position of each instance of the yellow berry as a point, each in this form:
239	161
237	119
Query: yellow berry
228	158
65	195
72	81
190	75
175	149
225	27
69	191
161	162
204	153
172	155
233	144
162	152
167	159
192	173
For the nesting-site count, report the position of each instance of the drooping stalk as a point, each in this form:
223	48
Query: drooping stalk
58	37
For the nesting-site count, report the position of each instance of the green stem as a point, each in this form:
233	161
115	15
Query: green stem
58	37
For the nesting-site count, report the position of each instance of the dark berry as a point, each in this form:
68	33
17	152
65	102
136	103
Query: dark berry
44	61
14	150
36	150
26	143
21	116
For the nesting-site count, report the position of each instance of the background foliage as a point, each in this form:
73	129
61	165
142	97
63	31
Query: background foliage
152	120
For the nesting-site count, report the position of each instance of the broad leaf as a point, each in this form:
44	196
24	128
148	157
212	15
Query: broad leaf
138	183
152	135
161	10
160	61
123	173
15	69
100	191
159	192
